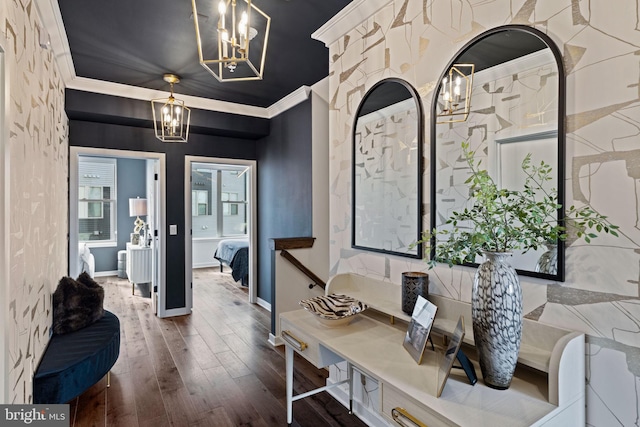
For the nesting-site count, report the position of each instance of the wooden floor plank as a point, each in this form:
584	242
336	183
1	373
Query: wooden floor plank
91	406
271	411
192	375
205	356
146	388
211	368
237	406
121	402
216	417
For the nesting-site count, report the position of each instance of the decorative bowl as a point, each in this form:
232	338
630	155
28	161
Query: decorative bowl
333	310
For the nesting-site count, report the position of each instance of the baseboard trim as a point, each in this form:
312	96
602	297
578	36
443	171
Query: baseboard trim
175	312
262	303
275	341
205	265
105	273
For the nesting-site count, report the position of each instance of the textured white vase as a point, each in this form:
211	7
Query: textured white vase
496	311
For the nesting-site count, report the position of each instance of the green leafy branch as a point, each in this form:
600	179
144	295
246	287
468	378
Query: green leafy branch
502	220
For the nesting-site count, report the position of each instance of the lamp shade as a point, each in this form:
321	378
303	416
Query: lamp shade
137	207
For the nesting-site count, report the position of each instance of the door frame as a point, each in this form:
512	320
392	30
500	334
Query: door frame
160	270
252	220
4	226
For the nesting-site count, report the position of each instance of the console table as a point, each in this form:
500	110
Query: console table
548	389
138	265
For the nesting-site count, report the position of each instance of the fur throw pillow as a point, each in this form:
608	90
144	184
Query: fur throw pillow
76	303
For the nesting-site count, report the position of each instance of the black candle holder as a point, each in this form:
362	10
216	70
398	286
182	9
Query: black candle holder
414	283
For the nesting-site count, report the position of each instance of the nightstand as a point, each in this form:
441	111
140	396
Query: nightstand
138	265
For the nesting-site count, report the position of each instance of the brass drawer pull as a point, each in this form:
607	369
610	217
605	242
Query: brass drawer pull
399	413
293	341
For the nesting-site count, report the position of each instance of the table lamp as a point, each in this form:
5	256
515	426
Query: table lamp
137	208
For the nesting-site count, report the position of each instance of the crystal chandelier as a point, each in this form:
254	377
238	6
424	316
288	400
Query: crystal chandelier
170	116
235	48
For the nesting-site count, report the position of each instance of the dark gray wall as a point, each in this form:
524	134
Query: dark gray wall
131	182
284	187
102	135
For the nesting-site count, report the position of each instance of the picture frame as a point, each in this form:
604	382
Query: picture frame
450	355
419	328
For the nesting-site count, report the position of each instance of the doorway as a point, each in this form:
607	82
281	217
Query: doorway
220	205
101	203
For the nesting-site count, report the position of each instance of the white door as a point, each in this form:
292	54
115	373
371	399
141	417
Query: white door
153	207
243	167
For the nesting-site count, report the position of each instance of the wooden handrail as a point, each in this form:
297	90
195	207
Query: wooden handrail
292	243
310	274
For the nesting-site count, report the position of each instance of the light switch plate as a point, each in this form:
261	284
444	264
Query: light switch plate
173	229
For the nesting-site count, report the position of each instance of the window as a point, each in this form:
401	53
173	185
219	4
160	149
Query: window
93	209
233	198
229	208
96	199
218	200
199	202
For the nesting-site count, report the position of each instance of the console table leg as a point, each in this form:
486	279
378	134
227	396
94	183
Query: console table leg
350	376
289	378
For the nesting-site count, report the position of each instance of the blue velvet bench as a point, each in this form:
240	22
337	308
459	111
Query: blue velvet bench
75	361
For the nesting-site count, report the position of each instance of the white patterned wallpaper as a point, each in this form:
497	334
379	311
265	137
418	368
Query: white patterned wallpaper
38	169
600	42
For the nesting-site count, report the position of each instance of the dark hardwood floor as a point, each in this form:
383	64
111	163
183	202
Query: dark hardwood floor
211	368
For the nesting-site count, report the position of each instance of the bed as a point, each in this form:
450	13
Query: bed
235	254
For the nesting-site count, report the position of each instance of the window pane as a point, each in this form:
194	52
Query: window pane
203	201
234	215
96	194
234	222
96	223
94	210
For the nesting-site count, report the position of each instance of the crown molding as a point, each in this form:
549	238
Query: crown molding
294	98
144	94
344	21
51	17
321	89
49	13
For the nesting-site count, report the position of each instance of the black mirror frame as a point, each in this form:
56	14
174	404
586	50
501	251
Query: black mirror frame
560	275
419	166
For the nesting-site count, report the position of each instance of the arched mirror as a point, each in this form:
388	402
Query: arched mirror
387	172
504	94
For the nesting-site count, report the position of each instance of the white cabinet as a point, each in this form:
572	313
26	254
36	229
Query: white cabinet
138	264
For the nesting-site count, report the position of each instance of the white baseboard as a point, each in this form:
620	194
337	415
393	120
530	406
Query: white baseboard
105	273
262	303
205	265
176	312
275	341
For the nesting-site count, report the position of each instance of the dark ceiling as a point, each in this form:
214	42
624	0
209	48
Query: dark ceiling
134	42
